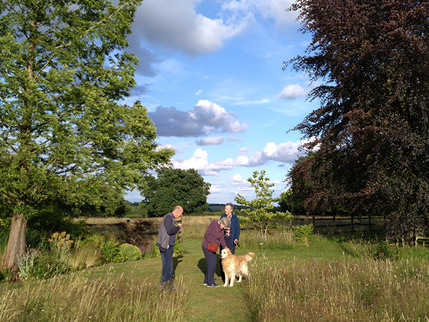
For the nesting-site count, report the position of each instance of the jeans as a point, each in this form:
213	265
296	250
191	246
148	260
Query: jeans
211	266
167	265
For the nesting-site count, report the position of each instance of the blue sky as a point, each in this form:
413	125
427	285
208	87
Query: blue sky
211	77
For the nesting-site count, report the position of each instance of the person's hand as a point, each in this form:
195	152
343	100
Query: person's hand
180	225
236	241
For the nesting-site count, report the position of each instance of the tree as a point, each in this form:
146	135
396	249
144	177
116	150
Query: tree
372	128
259	211
174	187
63	72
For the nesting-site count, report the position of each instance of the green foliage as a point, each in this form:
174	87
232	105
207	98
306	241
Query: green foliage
385	251
26	263
108	245
303	233
130	252
64	133
4	275
174	187
371	132
154	252
259	210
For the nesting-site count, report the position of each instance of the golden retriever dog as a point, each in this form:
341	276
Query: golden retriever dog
234	266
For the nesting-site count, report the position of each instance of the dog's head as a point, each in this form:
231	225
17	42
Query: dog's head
225	253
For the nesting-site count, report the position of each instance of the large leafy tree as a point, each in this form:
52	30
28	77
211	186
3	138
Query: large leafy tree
63	130
372	128
171	187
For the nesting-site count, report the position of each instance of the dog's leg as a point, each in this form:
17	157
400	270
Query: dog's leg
239	278
232	277
226	279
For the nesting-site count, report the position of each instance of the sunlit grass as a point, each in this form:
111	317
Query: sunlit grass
352	290
75	298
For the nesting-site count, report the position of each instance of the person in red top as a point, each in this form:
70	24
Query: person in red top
213	234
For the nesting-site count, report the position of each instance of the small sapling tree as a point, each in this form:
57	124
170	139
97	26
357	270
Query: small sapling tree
260	209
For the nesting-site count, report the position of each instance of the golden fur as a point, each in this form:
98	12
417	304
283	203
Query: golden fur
235	265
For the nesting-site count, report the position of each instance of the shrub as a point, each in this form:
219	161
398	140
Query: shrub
384	251
26	262
303	233
108	245
49	264
130	252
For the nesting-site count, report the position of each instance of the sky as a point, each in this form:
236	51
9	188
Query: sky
211	76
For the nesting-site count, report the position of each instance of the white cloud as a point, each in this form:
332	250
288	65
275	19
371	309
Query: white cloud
286	152
237	179
273	9
293	91
177	25
205	118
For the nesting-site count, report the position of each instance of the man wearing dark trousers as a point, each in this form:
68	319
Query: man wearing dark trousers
165	242
232	233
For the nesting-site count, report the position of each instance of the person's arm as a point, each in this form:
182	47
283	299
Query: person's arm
236	230
170	227
209	235
222	239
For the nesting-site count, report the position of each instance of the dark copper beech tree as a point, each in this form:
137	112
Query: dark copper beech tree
371	129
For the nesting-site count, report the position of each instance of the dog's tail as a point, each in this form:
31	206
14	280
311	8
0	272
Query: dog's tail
250	256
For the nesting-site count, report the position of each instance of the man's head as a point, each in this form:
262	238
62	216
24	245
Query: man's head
229	208
177	211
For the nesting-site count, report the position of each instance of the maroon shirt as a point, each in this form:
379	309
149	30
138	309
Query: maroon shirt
214	234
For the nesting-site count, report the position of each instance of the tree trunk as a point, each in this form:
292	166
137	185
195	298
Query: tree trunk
16	244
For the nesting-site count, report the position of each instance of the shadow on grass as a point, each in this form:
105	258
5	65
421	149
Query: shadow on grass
176	261
202	265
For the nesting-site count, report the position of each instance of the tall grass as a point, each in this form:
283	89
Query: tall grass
352	290
74	298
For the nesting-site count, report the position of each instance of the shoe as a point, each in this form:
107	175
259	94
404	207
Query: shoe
213	285
205	283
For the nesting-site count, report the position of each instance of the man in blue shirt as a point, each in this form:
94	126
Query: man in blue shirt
232	233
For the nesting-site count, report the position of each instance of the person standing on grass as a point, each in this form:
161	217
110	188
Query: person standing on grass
232	233
165	242
214	234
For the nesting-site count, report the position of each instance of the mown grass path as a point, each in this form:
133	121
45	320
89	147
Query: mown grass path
212	304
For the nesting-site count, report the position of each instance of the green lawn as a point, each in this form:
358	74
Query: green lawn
213	304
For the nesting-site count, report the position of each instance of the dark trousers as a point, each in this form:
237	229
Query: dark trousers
211	266
167	265
230	244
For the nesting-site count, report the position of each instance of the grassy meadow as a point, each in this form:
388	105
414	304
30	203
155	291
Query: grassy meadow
328	279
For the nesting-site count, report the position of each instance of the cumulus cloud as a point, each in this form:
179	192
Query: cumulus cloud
177	25
293	91
205	118
211	141
286	152
268	9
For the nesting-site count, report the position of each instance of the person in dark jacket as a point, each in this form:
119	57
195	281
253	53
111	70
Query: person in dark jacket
165	242
214	234
232	234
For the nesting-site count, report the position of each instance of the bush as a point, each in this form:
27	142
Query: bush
108	245
48	265
130	252
303	233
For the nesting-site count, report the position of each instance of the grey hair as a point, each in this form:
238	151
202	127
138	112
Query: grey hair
230	205
225	221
